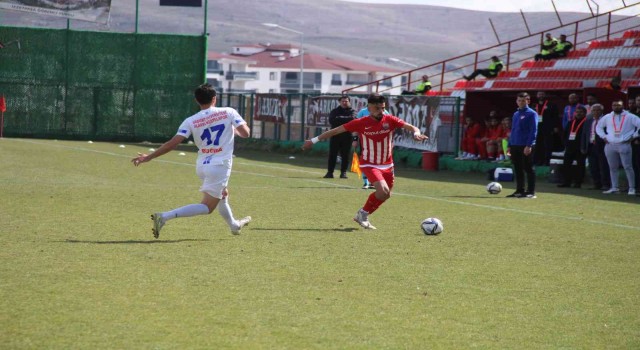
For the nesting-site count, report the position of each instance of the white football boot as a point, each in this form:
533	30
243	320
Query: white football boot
362	218
158	222
241	223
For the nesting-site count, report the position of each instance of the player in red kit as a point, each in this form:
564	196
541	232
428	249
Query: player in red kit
375	135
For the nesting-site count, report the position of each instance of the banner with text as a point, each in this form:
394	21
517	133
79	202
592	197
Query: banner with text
270	108
84	10
420	111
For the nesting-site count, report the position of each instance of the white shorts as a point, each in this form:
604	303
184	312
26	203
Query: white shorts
215	177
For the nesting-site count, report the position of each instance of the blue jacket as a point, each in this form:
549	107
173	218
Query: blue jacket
524	127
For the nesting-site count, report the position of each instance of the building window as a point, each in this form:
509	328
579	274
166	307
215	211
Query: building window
273	76
357	79
336	79
290	76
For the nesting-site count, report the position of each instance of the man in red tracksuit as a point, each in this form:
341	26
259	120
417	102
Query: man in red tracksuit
472	132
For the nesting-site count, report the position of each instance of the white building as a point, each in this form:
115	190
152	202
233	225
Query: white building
266	68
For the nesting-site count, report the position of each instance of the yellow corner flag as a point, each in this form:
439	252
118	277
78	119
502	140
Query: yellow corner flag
355	165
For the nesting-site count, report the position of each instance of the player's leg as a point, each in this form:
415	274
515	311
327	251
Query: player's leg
160	219
377	180
225	211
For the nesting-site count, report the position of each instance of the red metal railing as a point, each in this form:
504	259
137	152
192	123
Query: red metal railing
515	51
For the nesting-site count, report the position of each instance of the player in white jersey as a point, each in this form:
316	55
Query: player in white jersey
213	130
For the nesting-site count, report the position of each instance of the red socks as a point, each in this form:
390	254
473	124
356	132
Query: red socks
372	203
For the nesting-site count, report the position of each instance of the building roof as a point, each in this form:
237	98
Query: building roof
220	56
278	56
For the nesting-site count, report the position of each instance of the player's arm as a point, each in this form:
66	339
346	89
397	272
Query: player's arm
243	131
165	148
325	135
417	135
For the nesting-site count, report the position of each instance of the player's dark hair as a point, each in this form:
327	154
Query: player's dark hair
204	94
376	98
343	97
581	108
523	95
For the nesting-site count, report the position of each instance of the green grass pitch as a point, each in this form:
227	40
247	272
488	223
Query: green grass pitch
79	267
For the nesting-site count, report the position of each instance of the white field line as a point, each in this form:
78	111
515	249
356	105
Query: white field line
395	193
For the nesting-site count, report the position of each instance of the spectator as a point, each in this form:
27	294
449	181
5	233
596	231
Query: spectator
341	143
376	139
570	110
487	144
617	129
548	45
574	150
561	50
616	83
472	131
491	72
504	139
598	167
591	99
635	144
421	89
548	126
524	125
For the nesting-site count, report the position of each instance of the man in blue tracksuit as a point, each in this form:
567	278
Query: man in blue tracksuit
524	127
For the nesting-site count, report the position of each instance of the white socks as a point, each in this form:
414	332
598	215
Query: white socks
225	211
186	211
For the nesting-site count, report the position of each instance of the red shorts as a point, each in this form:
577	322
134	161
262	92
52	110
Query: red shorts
374	175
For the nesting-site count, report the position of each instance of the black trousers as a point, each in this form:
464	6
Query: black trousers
544	145
523	164
635	156
569	172
484	72
339	144
598	165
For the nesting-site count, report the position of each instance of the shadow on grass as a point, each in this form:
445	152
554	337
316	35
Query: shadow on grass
478	197
348	229
133	241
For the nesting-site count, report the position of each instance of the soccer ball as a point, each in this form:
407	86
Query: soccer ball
432	226
494	187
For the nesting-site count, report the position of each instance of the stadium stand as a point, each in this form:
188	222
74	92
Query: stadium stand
592	66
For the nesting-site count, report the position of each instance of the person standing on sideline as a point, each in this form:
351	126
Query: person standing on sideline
594	145
548	125
213	131
376	160
524	126
620	128
635	144
340	144
575	150
570	110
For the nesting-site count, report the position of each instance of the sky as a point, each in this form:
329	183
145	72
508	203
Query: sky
515	6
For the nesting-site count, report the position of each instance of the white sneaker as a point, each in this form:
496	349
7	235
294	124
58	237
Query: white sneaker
632	192
611	190
241	223
158	222
362	218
